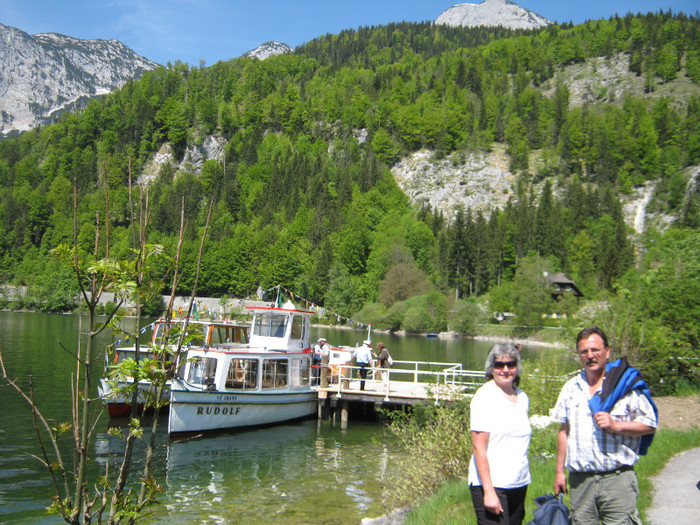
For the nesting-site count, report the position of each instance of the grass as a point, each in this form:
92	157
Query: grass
452	504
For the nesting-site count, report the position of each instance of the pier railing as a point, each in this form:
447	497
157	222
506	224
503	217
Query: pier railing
415	379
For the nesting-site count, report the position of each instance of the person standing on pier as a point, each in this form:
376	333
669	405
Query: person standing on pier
320	349
499	472
382	361
363	359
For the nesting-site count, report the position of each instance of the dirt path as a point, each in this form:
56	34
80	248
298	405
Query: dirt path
678	413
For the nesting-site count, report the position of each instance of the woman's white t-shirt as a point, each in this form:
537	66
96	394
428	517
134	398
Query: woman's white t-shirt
509	435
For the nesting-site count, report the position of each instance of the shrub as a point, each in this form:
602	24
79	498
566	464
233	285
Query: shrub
394	316
426	313
374	314
465	317
543	379
153	307
109	307
438	448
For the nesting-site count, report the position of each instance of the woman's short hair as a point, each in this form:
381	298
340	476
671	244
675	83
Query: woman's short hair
503	350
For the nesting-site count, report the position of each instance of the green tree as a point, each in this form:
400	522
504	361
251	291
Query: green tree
383	146
401	282
531	291
464	317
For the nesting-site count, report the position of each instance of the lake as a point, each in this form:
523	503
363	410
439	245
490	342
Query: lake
307	472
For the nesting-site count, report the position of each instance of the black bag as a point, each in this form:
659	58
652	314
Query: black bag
551	511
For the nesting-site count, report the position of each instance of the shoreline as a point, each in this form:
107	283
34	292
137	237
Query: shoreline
440	335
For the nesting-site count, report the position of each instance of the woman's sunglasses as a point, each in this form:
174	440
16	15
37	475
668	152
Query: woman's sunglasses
500	365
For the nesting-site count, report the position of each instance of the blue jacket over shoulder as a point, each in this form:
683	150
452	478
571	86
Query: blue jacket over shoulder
620	380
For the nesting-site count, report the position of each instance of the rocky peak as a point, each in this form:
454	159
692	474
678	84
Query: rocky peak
45	74
267	50
492	13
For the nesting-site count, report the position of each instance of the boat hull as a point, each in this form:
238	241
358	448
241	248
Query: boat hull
194	411
119	404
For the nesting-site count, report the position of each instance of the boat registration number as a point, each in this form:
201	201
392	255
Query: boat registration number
226	398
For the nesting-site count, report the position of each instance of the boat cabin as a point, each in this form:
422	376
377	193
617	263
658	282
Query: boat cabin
277	356
283	329
247	372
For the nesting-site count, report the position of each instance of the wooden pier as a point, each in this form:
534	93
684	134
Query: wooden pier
406	384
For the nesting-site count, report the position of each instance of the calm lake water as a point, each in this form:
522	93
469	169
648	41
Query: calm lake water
308	472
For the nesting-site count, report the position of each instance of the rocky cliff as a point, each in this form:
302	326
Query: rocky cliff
45	74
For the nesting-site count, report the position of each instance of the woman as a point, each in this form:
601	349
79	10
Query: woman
382	361
498	471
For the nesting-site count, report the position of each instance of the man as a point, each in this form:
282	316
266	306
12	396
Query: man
320	349
363	358
604	413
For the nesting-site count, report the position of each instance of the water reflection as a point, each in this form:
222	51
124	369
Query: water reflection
295	473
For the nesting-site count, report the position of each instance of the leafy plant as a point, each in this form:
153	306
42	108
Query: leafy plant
437	447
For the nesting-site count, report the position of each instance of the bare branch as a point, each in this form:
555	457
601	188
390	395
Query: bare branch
69	352
151	446
38	416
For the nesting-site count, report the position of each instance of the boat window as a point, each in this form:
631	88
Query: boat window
297	327
270	325
301	371
274	373
181	366
242	374
120	354
195	336
228	334
219	335
202	370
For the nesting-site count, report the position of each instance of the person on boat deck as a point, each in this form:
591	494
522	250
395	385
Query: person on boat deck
499	472
320	349
607	421
382	361
363	358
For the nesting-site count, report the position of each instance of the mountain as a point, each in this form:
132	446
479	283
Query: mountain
45	74
319	161
267	50
492	13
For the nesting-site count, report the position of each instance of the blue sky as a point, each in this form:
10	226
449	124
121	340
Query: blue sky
212	30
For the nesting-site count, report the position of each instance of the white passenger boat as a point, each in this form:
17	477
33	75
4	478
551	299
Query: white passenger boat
116	392
245	385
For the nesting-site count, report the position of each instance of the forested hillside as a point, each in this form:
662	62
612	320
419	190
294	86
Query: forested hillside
303	194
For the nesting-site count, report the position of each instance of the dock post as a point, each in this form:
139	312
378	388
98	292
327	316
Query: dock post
344	414
324	371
